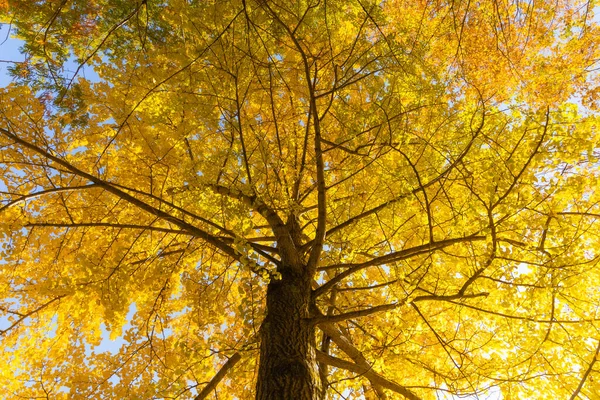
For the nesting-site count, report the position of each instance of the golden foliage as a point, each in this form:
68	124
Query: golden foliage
439	160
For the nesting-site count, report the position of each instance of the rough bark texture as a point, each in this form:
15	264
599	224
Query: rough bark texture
288	367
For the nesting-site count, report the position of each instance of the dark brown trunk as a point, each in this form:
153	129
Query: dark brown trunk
287	365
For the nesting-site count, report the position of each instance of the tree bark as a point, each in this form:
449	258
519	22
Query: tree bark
287	365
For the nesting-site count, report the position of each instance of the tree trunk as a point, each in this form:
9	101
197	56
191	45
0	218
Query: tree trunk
287	365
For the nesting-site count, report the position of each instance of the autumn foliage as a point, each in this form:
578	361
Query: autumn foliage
300	199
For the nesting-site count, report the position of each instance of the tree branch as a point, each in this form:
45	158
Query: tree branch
333	332
406	195
23	316
175	207
106	225
449	297
586	374
526	165
252	201
322	319
28	196
393	257
195	231
584	214
219	376
317	242
368	373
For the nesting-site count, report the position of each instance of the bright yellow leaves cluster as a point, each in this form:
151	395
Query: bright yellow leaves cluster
460	149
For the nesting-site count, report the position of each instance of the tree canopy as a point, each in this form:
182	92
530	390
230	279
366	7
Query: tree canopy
313	199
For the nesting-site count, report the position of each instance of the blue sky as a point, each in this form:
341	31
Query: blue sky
9	53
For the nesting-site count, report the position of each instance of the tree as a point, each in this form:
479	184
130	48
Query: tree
300	199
